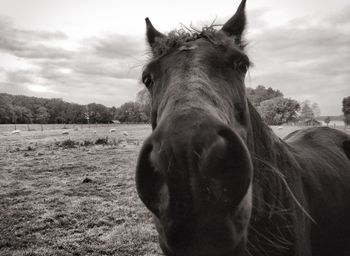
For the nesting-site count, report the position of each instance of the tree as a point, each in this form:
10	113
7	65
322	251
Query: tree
260	94
131	112
99	113
21	115
56	109
316	109
346	110
278	110
6	108
143	97
306	111
113	111
41	115
327	120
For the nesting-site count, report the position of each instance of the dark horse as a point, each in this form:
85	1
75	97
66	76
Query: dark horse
217	180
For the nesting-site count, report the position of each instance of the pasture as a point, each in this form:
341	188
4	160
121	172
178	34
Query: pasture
74	194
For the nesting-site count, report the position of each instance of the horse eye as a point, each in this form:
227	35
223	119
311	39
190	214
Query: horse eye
148	81
242	66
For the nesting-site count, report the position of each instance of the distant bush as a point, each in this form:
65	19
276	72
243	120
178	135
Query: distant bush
115	141
101	141
69	143
86	143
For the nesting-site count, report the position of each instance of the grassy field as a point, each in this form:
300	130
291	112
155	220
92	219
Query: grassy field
74	194
57	198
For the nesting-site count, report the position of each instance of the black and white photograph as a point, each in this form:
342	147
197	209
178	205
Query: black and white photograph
174	128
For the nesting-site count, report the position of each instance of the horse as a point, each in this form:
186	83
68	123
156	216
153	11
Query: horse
215	177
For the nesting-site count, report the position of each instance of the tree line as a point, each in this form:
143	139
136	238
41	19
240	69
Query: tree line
15	109
273	106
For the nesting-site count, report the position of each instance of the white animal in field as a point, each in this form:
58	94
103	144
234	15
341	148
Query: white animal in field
125	133
65	132
16	132
112	130
280	127
94	132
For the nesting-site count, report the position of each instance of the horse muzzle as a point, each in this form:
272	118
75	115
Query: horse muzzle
194	175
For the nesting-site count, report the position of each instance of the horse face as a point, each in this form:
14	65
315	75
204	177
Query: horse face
194	172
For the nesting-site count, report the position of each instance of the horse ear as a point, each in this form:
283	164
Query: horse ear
152	33
235	26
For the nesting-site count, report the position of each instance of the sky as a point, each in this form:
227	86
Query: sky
87	51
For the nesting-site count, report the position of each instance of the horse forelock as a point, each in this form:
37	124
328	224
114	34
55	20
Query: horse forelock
178	37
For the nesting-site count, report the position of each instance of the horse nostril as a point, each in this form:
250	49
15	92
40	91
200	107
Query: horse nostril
228	168
148	179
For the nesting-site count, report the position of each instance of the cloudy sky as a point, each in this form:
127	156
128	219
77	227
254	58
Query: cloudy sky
92	51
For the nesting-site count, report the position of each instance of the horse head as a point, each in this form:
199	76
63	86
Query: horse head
194	172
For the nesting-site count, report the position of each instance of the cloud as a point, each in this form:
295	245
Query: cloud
118	46
19	77
103	69
95	65
342	18
305	58
30	44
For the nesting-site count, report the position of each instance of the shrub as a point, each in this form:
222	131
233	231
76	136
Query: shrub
86	143
69	143
101	141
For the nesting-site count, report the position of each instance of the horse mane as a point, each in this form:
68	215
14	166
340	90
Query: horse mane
178	37
278	202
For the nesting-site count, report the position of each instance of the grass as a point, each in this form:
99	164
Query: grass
74	194
46	208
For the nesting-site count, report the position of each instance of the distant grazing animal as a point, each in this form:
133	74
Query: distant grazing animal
94	132
217	180
65	132
16	132
280	127
112	130
125	133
